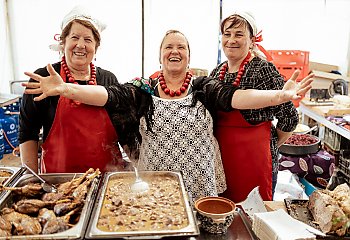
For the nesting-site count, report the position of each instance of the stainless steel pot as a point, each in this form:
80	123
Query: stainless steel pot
301	149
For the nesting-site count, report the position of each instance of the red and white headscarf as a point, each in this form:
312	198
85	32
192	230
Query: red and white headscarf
257	49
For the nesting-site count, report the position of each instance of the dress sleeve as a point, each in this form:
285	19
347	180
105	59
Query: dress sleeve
36	114
287	115
215	95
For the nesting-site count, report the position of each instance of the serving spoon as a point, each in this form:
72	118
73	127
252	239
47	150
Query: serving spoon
139	186
48	187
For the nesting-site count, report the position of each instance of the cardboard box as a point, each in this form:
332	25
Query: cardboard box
323	80
322	67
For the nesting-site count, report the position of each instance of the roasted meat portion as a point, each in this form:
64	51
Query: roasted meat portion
70	186
29	190
5	227
65	207
31	211
22	223
30	206
330	209
51	223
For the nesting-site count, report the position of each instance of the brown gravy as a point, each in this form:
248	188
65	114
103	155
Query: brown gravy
161	208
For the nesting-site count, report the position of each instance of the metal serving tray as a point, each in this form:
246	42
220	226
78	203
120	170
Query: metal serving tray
93	232
16	172
78	230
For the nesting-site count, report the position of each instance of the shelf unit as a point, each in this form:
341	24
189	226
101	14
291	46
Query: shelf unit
308	113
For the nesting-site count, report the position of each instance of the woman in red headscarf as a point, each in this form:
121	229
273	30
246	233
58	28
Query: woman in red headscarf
248	140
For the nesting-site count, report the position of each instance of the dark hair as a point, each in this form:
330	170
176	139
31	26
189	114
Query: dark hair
66	31
173	32
236	20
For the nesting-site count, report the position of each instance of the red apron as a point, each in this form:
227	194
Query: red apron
246	155
81	137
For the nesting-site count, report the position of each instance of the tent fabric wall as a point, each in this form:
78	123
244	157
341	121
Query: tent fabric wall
319	26
6	72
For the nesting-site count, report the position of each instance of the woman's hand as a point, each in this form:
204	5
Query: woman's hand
293	90
52	85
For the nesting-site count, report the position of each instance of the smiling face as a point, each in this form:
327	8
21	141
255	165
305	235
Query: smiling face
174	53
236	40
79	46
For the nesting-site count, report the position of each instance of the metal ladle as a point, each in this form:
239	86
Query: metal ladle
139	186
48	187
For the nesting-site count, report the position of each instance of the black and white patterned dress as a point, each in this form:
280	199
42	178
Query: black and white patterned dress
179	136
183	141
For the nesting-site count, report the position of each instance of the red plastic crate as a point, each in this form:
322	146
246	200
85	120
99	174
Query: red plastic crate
287	61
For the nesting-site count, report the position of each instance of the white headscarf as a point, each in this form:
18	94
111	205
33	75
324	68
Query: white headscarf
257	49
81	13
250	19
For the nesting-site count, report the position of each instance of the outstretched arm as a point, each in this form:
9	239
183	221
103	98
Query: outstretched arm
254	99
53	85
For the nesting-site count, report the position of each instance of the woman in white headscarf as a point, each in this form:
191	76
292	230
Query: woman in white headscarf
248	141
76	136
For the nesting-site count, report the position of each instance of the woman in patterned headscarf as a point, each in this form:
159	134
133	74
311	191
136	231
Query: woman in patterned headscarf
173	113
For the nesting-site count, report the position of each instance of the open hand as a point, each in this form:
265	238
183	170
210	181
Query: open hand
293	90
52	85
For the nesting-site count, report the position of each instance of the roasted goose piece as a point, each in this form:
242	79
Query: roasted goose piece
45	215
4	233
53	224
64	207
342	194
5	227
68	187
23	224
55	196
80	192
29	190
30	206
327	213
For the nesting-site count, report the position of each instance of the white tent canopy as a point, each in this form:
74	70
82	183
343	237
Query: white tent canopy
27	27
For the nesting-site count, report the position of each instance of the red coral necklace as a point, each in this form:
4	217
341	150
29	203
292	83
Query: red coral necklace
241	70
71	79
178	92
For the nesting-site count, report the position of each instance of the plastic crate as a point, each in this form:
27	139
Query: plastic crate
335	141
332	152
344	164
287	61
308	187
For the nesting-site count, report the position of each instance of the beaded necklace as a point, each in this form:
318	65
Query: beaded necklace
178	92
71	79
241	70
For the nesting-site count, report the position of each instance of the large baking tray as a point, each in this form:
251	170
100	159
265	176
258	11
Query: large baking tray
16	172
93	232
78	230
297	208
